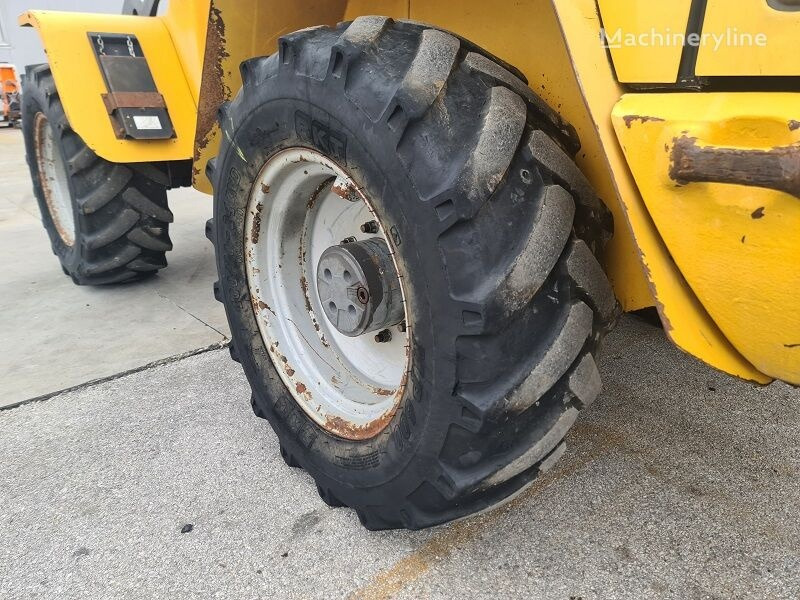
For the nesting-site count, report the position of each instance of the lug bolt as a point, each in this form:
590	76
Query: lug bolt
349	240
370	227
384	336
362	294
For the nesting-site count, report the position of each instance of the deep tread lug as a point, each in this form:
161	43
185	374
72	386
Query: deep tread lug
117	261
551	230
81	160
503	125
156	241
118	227
256	408
211	167
328	498
149	265
234	354
589	278
289	459
106	191
537	452
429	70
210	230
144	205
559	355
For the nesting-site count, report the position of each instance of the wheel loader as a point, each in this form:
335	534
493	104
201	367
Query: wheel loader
428	214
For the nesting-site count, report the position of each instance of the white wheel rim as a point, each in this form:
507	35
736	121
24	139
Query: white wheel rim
55	181
350	386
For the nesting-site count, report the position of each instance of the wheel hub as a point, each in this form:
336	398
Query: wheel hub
358	287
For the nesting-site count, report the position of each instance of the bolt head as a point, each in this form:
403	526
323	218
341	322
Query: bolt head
370	227
384	336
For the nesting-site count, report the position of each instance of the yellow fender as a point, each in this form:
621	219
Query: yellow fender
80	83
719	174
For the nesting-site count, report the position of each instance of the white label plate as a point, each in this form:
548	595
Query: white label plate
147	122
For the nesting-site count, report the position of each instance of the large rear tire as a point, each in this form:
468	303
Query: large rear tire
494	234
107	222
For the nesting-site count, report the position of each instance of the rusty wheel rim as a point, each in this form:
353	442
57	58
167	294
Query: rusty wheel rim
54	180
301	204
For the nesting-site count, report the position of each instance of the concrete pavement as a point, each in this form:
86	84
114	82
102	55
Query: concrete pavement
679	482
57	335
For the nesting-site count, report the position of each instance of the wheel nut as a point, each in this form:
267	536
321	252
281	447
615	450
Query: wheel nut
363	295
370	227
401	327
384	336
348	240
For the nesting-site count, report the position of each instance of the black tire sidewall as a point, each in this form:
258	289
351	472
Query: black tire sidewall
35	101
388	464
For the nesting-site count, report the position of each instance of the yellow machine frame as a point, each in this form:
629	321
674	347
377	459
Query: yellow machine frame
720	259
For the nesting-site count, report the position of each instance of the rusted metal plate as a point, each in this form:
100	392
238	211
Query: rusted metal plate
775	169
116	100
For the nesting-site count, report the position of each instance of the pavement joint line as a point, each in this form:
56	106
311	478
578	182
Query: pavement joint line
94	382
179	307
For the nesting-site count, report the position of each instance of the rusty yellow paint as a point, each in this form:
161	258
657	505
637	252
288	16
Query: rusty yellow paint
740	52
645	38
238	30
80	82
737	246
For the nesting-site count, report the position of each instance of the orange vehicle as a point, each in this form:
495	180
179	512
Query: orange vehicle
9	94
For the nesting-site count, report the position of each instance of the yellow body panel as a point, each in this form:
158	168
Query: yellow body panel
642	38
187	23
737	246
778	54
80	83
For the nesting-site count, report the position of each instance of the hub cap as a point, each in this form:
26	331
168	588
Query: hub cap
358	287
54	180
321	287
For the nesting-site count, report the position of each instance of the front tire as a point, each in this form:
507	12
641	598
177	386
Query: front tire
494	233
107	222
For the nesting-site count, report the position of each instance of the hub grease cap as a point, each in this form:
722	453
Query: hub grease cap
358	287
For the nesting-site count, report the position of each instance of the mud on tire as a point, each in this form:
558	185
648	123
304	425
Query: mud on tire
120	213
496	234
